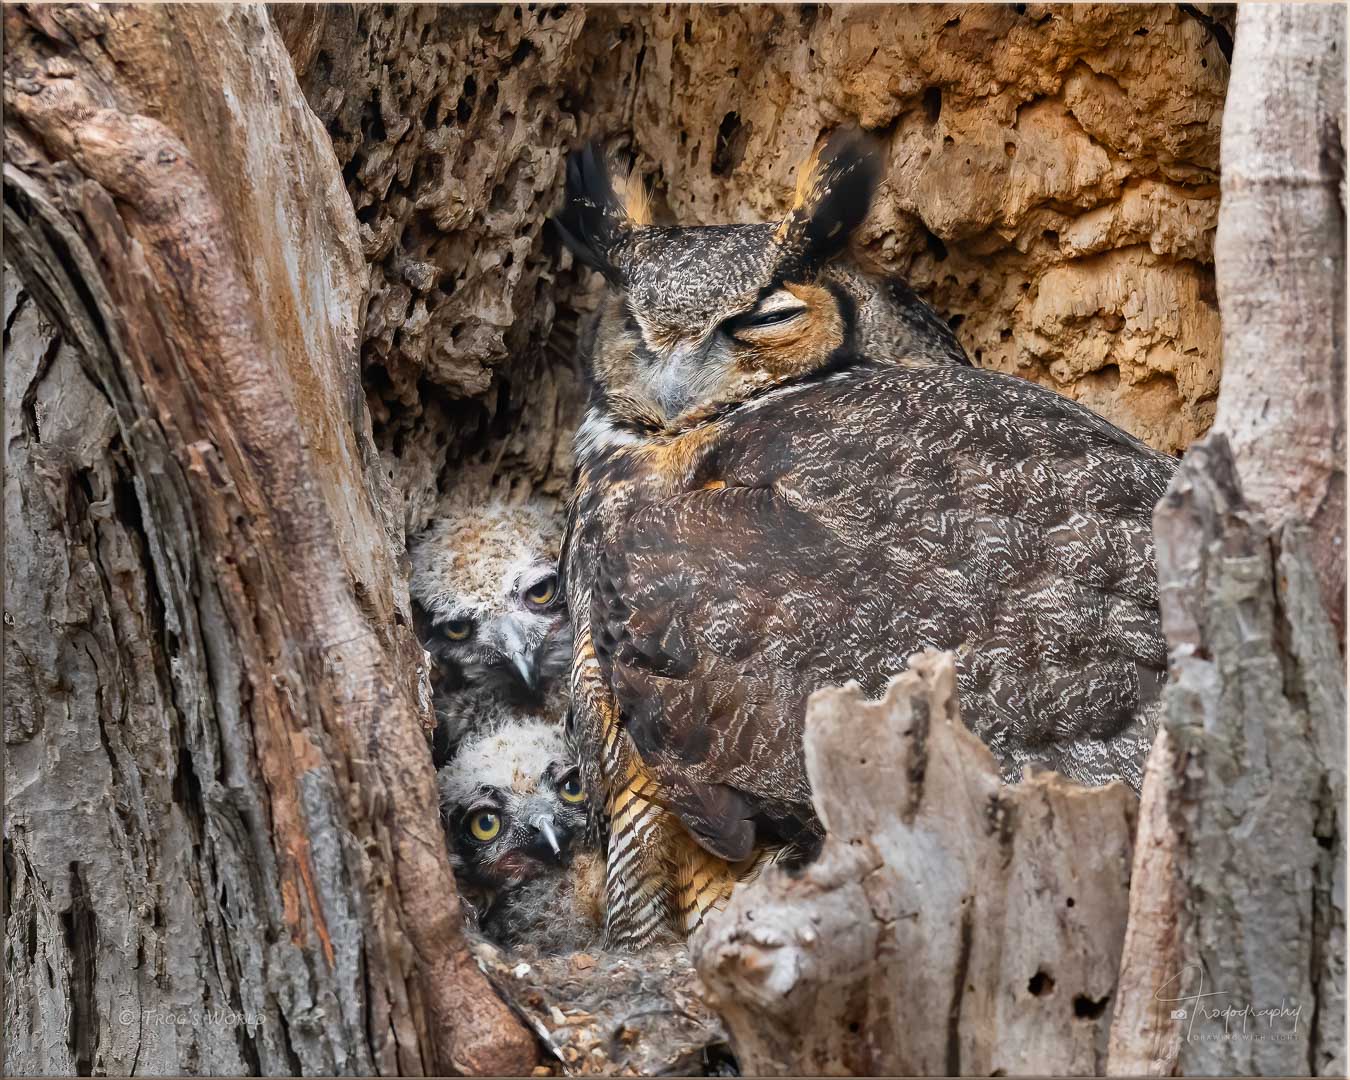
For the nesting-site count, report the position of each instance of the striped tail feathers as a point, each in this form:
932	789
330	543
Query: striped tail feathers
659	882
639	886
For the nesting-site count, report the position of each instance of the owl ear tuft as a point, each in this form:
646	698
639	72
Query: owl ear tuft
594	218
835	186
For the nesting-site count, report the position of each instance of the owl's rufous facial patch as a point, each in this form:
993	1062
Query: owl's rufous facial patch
797	345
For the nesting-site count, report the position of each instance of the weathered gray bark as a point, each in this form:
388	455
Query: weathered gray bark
1240	868
222	849
1144	1034
950	926
1280	268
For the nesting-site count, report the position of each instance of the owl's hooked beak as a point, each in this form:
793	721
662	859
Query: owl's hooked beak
544	823
518	652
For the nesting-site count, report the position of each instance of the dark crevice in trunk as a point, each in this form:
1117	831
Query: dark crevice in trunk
21	302
34	383
80	927
1222	38
959	993
292	1058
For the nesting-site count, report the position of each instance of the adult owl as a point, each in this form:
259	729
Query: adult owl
774	495
515	814
489	610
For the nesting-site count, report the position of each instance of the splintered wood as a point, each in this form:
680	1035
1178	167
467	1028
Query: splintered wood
951	924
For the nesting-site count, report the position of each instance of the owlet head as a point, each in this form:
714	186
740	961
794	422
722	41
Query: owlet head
706	315
487	599
513	804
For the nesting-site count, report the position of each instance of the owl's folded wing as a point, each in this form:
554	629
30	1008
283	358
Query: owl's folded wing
697	618
854	525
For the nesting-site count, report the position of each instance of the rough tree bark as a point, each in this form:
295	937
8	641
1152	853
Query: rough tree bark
222	849
235	388
1240	872
1280	253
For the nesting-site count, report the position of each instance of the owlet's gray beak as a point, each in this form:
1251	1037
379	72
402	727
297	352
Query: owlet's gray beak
518	652
544	824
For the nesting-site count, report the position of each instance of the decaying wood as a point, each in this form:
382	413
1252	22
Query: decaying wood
950	926
613	1013
1051	186
1280	264
241	361
219	802
1240	871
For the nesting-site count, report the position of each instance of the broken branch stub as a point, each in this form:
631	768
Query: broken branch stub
950	925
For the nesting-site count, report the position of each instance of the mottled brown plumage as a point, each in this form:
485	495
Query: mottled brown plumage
752	522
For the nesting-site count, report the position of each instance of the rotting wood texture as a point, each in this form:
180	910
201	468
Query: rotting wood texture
274	277
951	925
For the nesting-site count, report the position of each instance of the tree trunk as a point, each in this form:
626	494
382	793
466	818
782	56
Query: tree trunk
1239	878
1240	866
1281	275
223	849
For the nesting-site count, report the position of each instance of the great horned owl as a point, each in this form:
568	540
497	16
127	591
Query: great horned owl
490	611
667	292
515	813
770	500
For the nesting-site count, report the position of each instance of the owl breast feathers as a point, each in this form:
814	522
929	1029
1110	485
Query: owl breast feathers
789	476
828	530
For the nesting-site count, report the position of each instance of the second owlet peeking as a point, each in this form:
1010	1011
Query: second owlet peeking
489	610
516	816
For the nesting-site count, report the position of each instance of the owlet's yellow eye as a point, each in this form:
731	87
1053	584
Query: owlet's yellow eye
571	790
484	825
542	591
458	629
